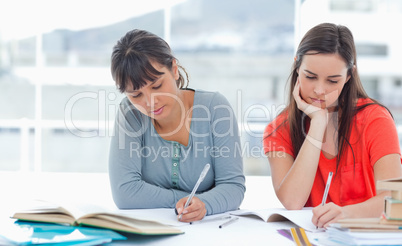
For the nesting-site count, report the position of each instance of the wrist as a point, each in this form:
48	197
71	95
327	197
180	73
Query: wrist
313	141
320	122
317	129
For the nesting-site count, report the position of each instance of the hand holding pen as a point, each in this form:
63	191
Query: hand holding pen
194	201
325	195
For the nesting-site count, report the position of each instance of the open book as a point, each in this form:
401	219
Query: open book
90	215
301	218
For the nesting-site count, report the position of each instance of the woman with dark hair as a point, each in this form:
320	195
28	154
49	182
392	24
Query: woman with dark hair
331	125
166	133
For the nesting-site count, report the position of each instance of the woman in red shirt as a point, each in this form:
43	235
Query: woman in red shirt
331	125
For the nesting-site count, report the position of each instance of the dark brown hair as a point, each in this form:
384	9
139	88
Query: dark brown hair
132	56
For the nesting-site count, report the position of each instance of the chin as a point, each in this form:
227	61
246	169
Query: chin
318	105
159	116
156	117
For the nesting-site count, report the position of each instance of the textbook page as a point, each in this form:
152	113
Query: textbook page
301	218
165	216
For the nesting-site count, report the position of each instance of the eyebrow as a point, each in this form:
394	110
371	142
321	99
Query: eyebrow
153	82
331	76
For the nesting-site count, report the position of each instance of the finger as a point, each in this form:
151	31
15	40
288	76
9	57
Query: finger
189	213
317	213
296	90
180	205
195	211
194	205
334	220
194	215
191	216
310	109
301	104
320	214
314	219
182	211
328	217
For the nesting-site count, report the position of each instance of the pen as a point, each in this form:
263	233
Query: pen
324	197
200	179
210	220
229	222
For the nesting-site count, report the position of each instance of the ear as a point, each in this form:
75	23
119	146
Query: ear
353	70
175	69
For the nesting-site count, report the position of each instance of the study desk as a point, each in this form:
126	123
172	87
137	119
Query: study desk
95	189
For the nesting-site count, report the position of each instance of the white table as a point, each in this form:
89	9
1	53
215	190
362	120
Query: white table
95	189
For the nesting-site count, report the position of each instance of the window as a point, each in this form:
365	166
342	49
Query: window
379	50
58	100
59	81
353	5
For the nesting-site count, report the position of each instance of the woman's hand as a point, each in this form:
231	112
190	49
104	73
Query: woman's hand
310	110
195	211
327	214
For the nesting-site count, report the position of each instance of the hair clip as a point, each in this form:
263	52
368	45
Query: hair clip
295	58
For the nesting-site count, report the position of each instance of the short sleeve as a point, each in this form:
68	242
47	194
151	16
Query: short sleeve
381	134
277	138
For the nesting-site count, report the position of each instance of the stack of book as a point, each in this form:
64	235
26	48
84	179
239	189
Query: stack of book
386	230
392	214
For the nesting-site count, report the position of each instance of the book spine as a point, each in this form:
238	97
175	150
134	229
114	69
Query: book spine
393	209
389	185
396	194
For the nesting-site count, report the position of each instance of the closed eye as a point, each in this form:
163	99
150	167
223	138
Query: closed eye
310	77
136	96
157	87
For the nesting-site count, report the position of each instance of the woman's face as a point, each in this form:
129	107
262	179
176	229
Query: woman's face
322	78
157	98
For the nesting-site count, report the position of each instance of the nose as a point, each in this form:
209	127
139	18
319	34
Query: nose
150	99
319	89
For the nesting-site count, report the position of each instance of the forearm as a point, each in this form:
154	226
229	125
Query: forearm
370	208
295	188
223	198
228	188
139	194
128	187
228	192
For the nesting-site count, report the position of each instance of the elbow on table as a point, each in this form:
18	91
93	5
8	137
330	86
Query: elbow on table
121	202
291	204
290	201
125	199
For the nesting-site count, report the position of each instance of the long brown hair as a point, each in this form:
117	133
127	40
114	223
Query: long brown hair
328	38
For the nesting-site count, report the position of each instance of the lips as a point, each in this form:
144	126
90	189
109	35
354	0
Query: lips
315	100
158	111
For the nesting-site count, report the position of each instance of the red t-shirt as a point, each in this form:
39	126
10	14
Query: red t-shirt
373	135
